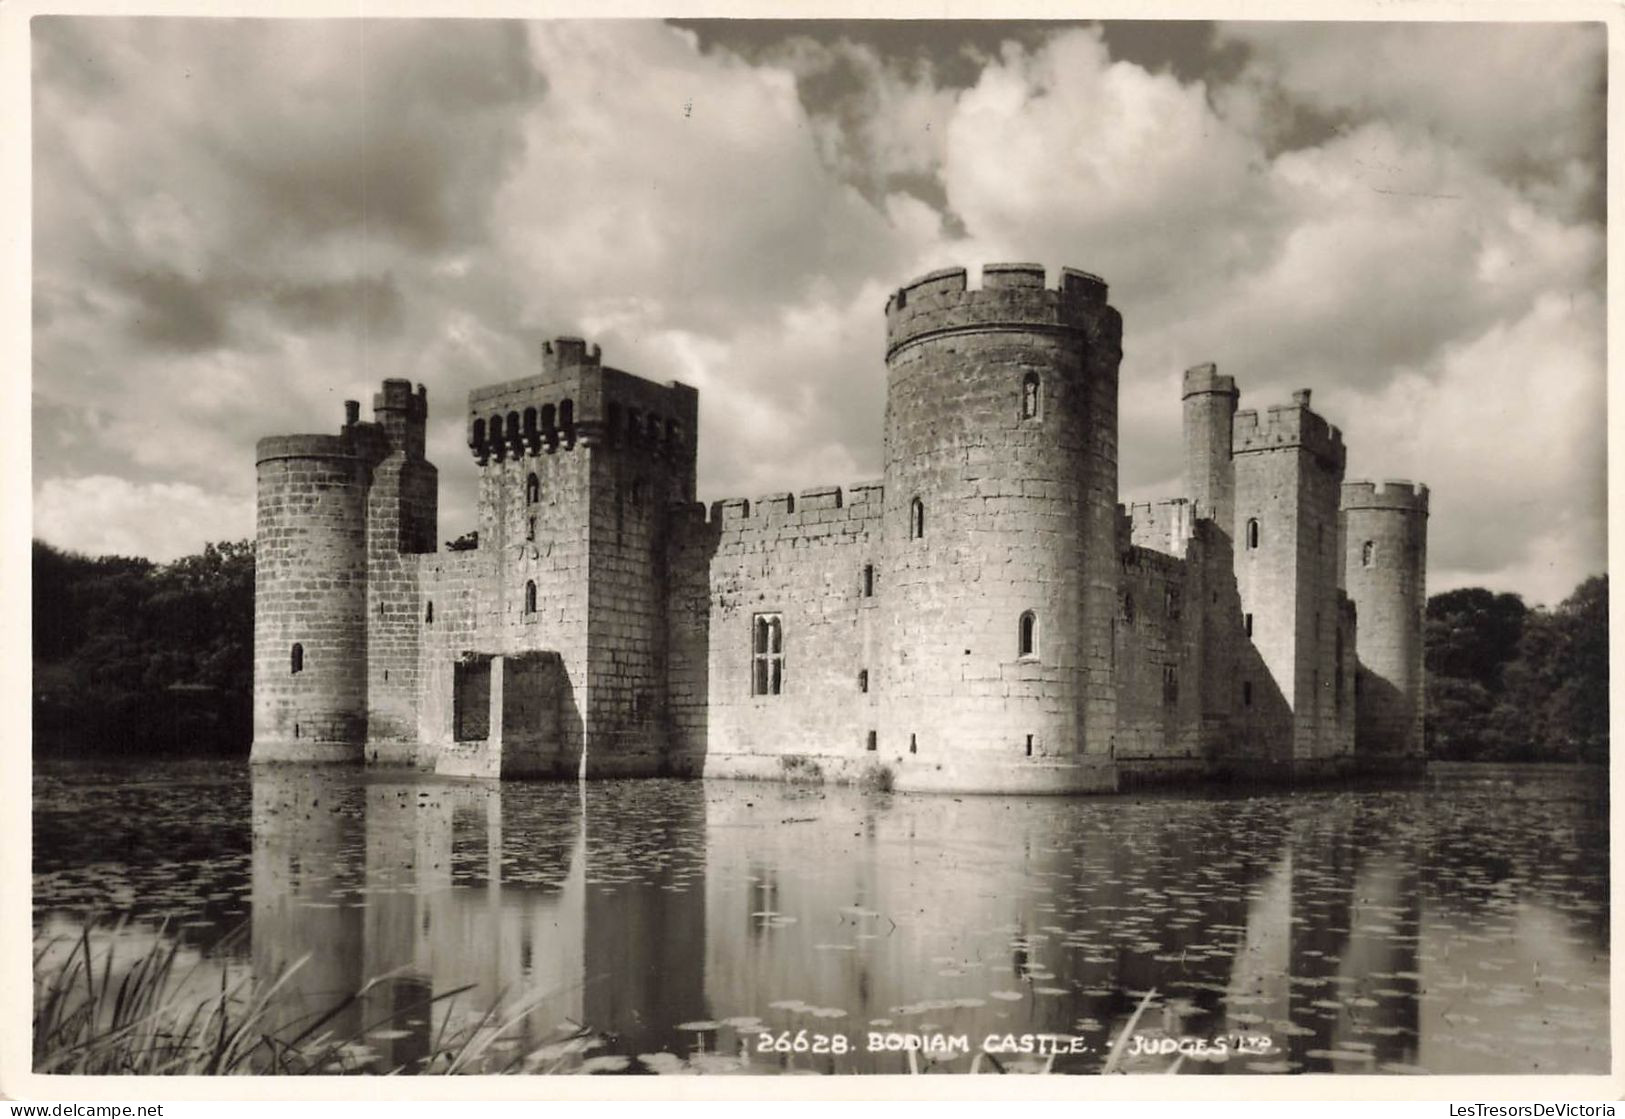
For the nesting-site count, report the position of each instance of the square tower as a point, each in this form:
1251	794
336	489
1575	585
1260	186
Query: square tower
579	468
1288	478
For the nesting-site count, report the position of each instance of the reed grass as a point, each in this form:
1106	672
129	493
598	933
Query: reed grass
147	1019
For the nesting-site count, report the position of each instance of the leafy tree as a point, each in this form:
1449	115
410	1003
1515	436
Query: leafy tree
1507	683
142	657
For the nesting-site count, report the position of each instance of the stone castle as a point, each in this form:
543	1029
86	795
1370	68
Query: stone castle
985	618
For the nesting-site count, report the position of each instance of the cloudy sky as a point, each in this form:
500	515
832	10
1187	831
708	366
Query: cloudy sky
239	224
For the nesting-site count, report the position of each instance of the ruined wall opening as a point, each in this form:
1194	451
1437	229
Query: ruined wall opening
471	700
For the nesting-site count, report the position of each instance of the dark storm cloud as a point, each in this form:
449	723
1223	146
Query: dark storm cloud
375	302
172	311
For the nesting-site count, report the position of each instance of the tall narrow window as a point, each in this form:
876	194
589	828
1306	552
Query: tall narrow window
1247	620
913	746
533	490
530	596
873	743
1170	684
1368	553
868	580
1170	602
428	614
863	680
1027	635
1252	532
530	527
1030	396
767	655
1246	693
298	660
916	519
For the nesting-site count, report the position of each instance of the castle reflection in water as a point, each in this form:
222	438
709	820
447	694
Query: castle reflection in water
641	909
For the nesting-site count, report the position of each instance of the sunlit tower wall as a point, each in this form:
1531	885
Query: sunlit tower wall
1000	504
1210	474
1385	573
402	523
310	597
1289	471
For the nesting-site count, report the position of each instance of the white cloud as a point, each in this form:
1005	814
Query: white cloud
101	514
234	233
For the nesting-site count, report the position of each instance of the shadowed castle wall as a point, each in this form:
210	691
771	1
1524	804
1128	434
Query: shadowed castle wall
1384	569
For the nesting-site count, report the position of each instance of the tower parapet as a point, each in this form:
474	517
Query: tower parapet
576	400
1012	297
1399	495
1290	425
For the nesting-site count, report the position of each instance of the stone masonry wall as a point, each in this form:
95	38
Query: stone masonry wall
401	505
803	559
1288	469
1018	501
1159	697
310	588
632	491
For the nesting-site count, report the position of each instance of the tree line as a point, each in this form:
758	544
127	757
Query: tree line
1507	682
136	657
132	656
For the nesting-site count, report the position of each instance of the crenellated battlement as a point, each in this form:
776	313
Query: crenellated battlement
1012	297
1285	426
576	399
811	506
1390	494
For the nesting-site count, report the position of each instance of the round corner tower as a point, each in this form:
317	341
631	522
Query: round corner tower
1000	526
310	599
1385	573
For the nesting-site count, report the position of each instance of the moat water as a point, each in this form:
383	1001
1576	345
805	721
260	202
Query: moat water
1458	926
